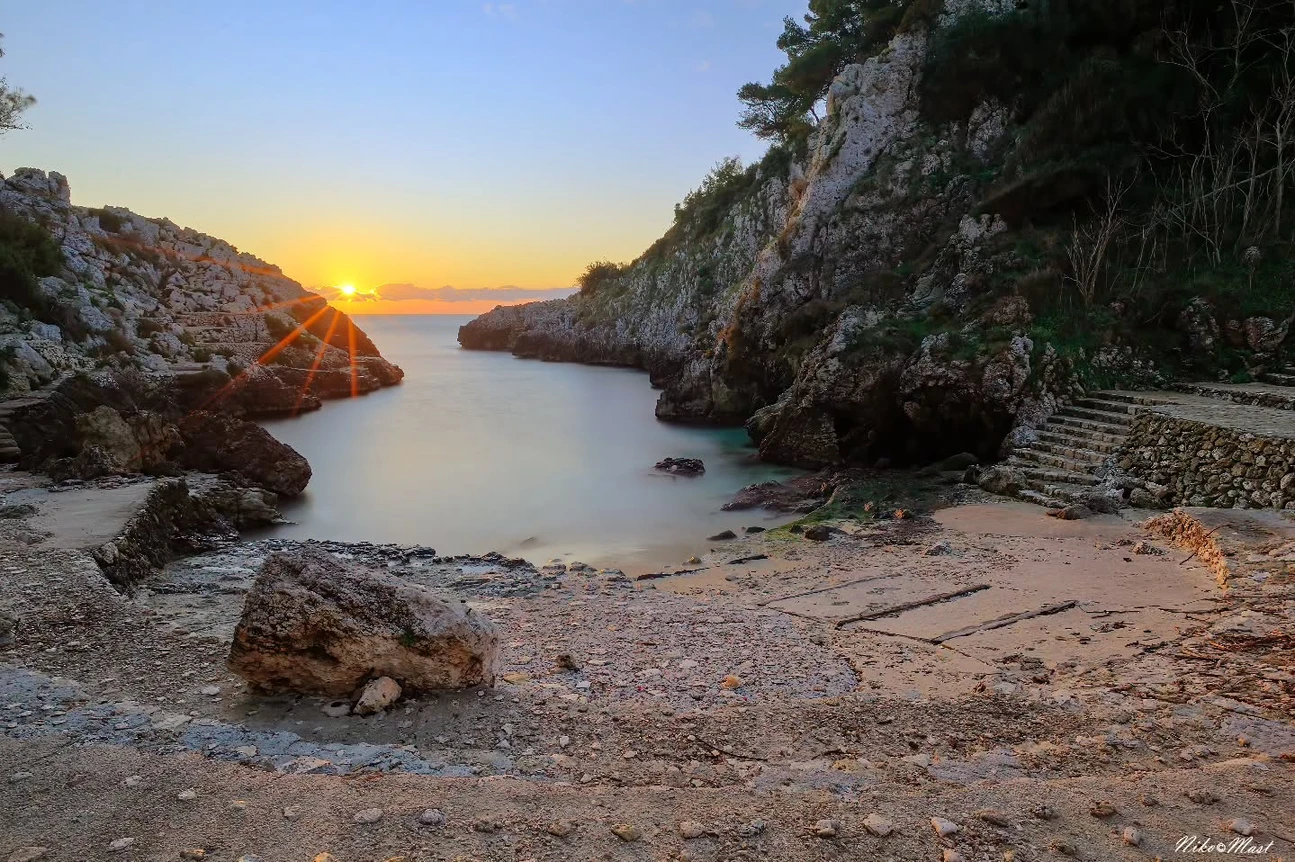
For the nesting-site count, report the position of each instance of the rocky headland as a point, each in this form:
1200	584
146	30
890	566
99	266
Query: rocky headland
906	279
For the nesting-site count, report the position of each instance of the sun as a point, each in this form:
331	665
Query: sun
347	290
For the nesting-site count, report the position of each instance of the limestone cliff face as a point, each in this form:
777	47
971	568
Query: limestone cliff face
143	294
792	316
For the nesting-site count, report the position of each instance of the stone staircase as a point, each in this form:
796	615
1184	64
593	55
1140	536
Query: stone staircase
1061	466
1282	377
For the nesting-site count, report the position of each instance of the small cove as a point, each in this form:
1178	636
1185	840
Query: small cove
479	452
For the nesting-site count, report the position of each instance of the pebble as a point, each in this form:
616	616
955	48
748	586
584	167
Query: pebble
944	828
368	815
1063	848
210	690
120	844
248	857
626	832
731	682
292	812
1043	812
564	741
827	828
134	781
28	854
691	829
336	709
1201	796
560	828
994	818
186	795
432	817
1103	809
878	825
1240	826
20	776
325	857
750	830
193	853
1132	836
238	805
951	855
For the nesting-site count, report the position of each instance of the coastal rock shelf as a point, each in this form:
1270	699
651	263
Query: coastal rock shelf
135	294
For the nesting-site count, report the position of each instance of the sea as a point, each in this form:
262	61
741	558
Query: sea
480	451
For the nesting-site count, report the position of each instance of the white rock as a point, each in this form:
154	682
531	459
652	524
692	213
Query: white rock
432	817
1132	836
120	844
878	825
368	815
1240	826
29	854
944	828
691	829
378	694
186	795
336	709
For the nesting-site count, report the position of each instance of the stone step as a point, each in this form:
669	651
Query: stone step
1105	406
1039	498
1104	416
1046	452
1054	495
1039	478
1070	422
1046	460
1054	441
1143	399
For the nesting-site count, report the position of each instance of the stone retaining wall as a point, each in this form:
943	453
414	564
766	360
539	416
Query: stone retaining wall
1186	462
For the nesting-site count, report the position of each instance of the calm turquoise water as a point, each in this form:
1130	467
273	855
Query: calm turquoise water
479	452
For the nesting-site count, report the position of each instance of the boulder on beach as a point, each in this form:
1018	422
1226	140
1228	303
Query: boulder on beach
312	624
220	443
681	466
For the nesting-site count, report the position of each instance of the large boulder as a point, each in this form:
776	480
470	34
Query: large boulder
312	624
219	443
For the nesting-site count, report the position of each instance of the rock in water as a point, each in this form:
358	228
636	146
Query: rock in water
218	443
682	466
311	624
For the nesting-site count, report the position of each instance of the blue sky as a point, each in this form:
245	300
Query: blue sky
447	142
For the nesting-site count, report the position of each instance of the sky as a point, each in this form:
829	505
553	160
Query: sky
438	148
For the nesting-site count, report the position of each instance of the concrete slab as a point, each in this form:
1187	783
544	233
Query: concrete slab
82	518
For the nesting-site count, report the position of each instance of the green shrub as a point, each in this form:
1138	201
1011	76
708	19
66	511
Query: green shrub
598	275
27	252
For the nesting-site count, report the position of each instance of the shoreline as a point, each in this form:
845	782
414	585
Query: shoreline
842	710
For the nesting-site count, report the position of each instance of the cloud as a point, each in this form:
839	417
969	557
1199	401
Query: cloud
703	66
412	292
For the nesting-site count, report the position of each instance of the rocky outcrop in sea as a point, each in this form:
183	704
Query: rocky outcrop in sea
145	296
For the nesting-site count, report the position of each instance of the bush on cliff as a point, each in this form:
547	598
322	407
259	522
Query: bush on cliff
27	252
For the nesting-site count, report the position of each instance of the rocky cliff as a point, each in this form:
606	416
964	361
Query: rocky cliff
106	290
909	281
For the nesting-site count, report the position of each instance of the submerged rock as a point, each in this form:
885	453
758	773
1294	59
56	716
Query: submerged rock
682	466
312	624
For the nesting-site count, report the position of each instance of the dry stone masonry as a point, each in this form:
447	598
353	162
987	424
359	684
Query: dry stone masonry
1202	464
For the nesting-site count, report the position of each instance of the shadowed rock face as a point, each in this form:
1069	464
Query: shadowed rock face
312	624
213	441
